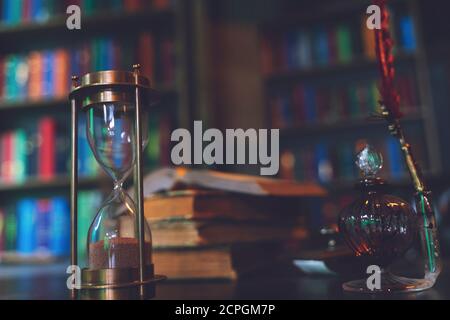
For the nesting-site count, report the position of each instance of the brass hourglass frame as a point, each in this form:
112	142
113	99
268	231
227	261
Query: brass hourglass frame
112	87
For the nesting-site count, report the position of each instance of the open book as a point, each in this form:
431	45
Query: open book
169	179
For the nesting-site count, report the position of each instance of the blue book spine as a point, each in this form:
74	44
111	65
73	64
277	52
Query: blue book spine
6	11
26	229
408	33
304	50
35	9
346	156
75	62
22	77
43	226
395	158
48	76
291	42
310	104
323	163
106	53
321	47
42	10
59	227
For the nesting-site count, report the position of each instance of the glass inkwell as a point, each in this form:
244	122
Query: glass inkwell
379	228
119	240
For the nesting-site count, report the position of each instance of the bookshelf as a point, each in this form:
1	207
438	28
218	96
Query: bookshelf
59	182
236	35
163	27
325	38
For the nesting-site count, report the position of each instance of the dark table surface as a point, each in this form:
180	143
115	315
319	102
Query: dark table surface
49	283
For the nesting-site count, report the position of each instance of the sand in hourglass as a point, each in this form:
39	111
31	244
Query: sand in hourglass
119	253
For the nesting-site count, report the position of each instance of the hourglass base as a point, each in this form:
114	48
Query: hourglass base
118	284
388	283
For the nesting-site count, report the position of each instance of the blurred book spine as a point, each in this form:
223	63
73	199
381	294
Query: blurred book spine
333	163
41	226
41	151
311	103
45	75
14	12
321	45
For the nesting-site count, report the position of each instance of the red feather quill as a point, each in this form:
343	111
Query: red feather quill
384	45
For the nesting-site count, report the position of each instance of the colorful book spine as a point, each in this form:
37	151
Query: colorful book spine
46	159
46	74
20	156
26	231
59	227
42	226
344	44
408	38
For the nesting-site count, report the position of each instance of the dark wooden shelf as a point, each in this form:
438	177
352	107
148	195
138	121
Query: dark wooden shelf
402	183
33	184
310	13
165	92
88	22
315	72
21	36
33	104
333	127
14	258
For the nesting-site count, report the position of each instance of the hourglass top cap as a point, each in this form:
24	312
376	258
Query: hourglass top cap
112	86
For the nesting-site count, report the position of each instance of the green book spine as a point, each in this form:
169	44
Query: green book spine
94	55
376	98
116	5
127	53
103	53
10	230
20	159
16	11
153	149
344	44
88	7
2	230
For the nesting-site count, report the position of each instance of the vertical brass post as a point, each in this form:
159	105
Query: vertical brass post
74	183
139	180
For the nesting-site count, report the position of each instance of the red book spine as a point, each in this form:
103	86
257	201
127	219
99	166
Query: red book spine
26	10
46	153
161	4
266	56
85	59
7	157
132	5
2	157
168	62
147	55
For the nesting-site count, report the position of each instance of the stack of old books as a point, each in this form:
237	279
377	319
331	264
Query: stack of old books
208	224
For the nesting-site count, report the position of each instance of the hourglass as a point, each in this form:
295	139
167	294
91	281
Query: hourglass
119	238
